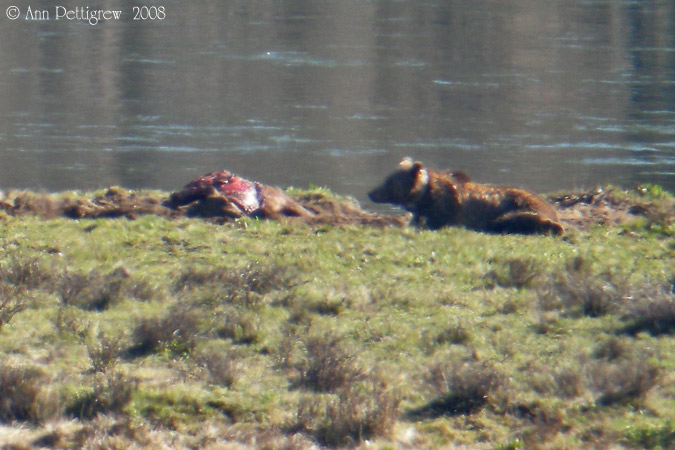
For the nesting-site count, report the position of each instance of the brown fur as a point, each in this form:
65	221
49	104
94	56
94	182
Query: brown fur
222	194
439	199
274	204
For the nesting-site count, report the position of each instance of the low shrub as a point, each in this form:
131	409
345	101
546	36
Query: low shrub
581	294
624	381
79	290
458	334
103	351
114	432
460	387
97	292
22	395
357	412
655	437
177	331
12	302
223	369
328	364
26	272
237	285
110	392
652	311
612	349
516	273
242	327
564	382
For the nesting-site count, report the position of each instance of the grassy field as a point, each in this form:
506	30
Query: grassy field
183	333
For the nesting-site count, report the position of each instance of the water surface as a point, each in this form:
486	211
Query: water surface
549	95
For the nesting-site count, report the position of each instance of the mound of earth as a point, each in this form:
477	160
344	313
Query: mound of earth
608	206
118	202
115	202
576	210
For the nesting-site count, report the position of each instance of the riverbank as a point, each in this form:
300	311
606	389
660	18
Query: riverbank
578	210
173	332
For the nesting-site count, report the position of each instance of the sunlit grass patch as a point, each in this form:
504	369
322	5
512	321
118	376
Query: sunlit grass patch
257	333
652	436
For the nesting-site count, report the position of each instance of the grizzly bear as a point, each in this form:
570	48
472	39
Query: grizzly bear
439	199
223	194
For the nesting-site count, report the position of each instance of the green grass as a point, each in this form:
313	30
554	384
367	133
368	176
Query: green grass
185	333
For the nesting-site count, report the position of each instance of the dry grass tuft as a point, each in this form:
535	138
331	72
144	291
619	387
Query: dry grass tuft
515	273
97	292
22	394
328	365
12	302
566	381
26	273
177	331
104	351
245	286
357	412
460	387
457	334
643	307
110	392
625	381
578	293
223	368
242	327
652	310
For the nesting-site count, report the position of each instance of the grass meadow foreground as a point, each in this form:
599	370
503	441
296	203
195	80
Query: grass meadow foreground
184	333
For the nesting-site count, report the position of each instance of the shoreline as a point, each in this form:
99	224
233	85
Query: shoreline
577	210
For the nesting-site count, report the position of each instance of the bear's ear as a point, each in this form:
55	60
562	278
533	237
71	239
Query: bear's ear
460	176
406	163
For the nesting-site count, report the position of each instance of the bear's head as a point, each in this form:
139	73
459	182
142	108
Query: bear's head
403	187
